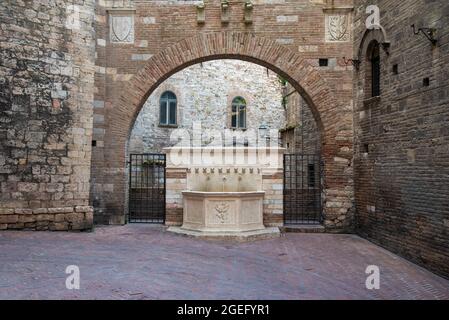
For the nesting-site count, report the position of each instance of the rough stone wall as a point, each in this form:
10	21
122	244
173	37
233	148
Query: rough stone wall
301	26
204	93
402	137
46	94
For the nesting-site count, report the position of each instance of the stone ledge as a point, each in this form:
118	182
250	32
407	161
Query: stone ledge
267	233
76	218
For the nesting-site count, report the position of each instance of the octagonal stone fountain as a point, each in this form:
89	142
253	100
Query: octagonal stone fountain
224	202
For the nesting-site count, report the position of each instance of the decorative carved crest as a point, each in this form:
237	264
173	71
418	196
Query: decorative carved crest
122	28
337	28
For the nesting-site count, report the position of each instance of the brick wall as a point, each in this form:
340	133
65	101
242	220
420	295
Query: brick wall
300	27
46	80
402	137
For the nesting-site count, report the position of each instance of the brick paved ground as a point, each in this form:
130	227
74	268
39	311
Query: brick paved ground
144	262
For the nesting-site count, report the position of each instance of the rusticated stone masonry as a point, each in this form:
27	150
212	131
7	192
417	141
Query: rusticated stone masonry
46	93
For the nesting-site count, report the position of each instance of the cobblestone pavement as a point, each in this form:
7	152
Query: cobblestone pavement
146	262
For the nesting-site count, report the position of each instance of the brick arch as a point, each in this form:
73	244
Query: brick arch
214	46
305	78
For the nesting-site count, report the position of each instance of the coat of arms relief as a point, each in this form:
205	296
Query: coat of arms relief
337	28
121	28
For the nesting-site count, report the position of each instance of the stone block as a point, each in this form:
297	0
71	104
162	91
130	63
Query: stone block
59	217
44	217
9	219
74	217
26	218
59	226
60	210
6	211
83	209
23	211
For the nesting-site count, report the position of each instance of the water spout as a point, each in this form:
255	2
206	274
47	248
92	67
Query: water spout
207	182
224	182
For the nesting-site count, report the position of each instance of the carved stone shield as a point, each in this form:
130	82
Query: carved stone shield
337	28
122	28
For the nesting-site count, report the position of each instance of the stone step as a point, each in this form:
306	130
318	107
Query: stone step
303	228
244	236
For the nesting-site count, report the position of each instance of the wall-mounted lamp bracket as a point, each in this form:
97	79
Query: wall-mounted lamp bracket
429	33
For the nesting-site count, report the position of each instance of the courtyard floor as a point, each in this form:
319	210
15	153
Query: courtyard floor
146	262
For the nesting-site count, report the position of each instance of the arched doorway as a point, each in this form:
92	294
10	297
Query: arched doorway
305	78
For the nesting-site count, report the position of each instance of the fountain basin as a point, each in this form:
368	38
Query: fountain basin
224	215
223	211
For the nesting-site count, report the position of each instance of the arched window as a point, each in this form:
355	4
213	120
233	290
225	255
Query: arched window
167	109
238	113
374	66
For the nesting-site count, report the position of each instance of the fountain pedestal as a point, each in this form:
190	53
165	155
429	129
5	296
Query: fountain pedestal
223	211
224	215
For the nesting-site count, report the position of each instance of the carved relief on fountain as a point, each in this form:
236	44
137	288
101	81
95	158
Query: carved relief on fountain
224	212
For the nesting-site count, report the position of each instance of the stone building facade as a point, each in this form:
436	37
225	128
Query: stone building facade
204	94
74	76
402	136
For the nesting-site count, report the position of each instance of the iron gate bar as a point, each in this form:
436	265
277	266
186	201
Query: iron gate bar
302	189
147	182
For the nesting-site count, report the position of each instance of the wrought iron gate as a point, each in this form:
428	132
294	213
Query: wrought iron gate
147	188
302	189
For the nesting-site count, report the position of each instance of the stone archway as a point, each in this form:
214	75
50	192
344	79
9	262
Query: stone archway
305	78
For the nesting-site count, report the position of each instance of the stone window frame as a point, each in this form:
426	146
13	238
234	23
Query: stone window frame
238	111
373	55
158	93
230	98
364	72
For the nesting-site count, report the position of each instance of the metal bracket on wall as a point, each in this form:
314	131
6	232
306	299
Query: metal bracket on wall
429	33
